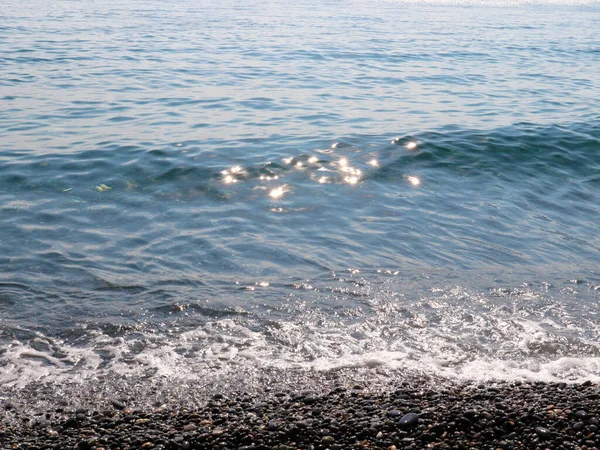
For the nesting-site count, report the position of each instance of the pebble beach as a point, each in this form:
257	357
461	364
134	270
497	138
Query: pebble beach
516	415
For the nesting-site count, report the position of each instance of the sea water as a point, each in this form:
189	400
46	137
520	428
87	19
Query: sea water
196	191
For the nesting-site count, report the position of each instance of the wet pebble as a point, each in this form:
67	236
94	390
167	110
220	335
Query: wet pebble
543	433
118	404
409	420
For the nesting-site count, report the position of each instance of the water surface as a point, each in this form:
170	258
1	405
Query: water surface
191	190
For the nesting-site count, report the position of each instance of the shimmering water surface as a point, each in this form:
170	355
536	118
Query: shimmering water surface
192	189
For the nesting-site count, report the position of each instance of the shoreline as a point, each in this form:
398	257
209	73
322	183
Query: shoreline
407	415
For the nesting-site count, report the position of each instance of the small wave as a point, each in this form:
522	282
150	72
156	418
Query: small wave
450	333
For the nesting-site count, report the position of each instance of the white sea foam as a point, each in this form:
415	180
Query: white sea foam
530	352
448	332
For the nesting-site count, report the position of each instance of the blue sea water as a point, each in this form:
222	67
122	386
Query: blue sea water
195	190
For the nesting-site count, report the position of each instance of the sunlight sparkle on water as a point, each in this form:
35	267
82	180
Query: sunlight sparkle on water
414	181
374	163
278	192
411	145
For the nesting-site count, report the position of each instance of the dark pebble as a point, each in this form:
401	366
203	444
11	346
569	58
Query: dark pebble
309	399
409	420
543	433
71	423
118	405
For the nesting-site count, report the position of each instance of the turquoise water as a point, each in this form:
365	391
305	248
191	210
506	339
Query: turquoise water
189	190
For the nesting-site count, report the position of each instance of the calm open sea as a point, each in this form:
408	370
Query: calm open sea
194	190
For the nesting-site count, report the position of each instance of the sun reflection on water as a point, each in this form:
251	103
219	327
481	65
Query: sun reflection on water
278	192
340	164
229	179
415	181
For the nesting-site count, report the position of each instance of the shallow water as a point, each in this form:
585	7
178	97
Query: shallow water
191	190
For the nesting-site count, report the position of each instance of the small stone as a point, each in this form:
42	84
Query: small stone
328	440
581	414
409	420
118	405
42	423
543	433
71	423
394	413
309	399
190	427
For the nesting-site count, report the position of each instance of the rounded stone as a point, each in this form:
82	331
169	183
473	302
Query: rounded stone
118	405
409	420
543	433
71	423
309	399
